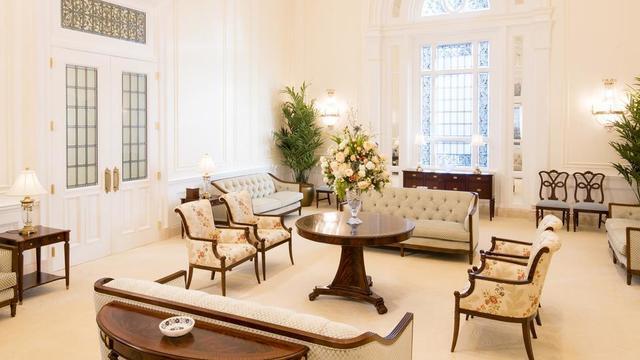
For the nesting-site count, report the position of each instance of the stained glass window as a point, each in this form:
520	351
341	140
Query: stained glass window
103	18
134	126
443	7
455	104
82	126
426	58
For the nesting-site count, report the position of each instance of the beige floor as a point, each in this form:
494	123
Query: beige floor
588	310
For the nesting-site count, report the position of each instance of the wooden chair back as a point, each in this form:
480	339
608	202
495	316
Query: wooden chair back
553	183
590	184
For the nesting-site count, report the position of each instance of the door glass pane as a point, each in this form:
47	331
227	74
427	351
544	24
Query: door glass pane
81	102
134	126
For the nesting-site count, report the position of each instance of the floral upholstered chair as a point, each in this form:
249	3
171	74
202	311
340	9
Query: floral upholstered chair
267	231
215	249
506	290
8	283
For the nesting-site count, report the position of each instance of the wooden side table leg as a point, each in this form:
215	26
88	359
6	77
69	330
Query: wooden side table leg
20	275
38	264
66	262
492	208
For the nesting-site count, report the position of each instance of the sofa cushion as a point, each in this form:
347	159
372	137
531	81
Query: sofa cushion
7	280
617	233
286	197
590	206
439	229
273	315
265	204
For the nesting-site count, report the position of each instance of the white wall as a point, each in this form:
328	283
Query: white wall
231	59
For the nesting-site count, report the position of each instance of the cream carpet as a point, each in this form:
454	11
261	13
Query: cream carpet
588	310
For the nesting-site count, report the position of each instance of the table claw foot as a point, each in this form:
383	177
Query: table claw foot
381	308
313	296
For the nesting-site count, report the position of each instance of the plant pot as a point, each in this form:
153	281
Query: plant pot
308	192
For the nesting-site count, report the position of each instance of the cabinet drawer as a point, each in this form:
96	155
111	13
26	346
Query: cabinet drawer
53	239
455	185
484	179
484	190
436	184
412	179
30	244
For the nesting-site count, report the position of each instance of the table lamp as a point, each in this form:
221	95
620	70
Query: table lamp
206	167
476	141
27	185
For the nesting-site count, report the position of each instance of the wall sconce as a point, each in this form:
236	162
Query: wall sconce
608	110
330	109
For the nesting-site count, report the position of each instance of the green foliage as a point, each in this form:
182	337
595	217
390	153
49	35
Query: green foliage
300	137
628	148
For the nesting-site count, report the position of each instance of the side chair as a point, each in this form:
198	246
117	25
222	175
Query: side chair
553	195
8	279
266	231
591	184
217	249
506	290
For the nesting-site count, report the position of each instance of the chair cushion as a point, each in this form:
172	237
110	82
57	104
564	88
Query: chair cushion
439	229
286	197
273	236
252	310
7	280
240	206
592	206
6	294
201	253
557	204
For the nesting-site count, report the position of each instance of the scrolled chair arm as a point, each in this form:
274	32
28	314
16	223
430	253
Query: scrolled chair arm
214	245
501	268
508	246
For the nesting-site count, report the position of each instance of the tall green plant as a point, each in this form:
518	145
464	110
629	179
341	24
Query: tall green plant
300	137
628	148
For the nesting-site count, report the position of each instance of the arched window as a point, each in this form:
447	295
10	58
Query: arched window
443	7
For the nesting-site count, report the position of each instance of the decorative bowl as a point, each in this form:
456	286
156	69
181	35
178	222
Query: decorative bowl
176	326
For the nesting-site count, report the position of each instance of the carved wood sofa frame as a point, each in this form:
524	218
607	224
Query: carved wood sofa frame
299	335
223	266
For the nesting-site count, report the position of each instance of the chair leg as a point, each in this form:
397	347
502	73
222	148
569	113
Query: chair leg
628	276
189	276
264	265
576	217
537	217
526	334
538	320
401	250
456	329
14	307
466	318
223	274
255	266
291	250
599	221
533	329
299	211
471	258
568	217
213	275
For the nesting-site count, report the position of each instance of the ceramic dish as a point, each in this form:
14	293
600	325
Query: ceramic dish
176	326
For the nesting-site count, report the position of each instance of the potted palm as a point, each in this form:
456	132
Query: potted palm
299	138
628	147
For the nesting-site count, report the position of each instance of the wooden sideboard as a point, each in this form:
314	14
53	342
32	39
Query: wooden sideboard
482	184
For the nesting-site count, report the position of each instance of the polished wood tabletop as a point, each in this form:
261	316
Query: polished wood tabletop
351	279
132	332
376	229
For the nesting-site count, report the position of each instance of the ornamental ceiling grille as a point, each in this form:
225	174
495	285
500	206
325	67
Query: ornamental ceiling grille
106	19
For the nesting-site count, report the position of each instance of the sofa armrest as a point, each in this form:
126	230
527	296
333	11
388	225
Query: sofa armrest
624	211
282	185
633	248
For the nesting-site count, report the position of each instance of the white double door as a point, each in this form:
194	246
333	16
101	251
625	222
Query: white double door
104	153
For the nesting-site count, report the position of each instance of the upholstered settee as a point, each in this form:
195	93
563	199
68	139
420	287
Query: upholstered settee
446	221
269	195
623	234
325	339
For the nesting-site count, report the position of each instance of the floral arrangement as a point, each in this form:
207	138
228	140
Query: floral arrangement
354	163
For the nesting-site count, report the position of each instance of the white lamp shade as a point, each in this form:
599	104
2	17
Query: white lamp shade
206	164
26	184
477	140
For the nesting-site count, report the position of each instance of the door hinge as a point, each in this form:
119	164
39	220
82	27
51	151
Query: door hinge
157	75
52	126
158	175
51	63
53	251
53	189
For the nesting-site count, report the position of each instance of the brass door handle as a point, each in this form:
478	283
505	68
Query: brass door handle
116	179
107	180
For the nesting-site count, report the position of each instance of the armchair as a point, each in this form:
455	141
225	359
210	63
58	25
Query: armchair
507	291
215	249
623	235
267	231
8	279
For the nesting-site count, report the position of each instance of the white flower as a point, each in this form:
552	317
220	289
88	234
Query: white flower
353	158
375	159
334	166
370	166
363	184
348	172
368	146
340	157
362	173
361	168
343	144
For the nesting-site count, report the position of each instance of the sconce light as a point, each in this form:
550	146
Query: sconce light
330	109
609	109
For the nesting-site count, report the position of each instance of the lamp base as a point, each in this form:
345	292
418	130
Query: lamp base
477	171
28	230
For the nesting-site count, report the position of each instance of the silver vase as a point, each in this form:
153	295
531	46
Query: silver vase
355	203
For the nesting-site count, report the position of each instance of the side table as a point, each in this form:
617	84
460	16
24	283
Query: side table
132	332
43	237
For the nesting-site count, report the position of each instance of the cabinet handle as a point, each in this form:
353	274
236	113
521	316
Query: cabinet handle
478	178
455	189
455	178
479	190
435	176
107	180
435	187
414	175
116	179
